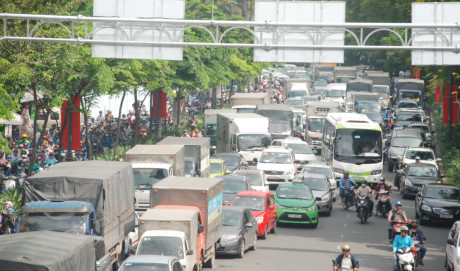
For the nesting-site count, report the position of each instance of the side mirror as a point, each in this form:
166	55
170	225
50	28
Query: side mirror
227	172
189	252
272	207
249	225
318	199
450	242
255	160
132	251
438	159
97	227
331	189
200	228
419	194
228	204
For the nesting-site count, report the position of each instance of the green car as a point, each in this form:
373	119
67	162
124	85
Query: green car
295	203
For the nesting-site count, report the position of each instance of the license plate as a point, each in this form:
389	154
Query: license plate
294	216
358	178
446	216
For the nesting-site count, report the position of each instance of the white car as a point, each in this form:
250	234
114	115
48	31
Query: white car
278	164
453	248
326	171
257	178
302	151
426	156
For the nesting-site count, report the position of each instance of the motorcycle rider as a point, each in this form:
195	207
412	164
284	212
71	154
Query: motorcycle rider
366	191
345	184
396	213
403	240
7	219
346	260
384	186
418	235
398	166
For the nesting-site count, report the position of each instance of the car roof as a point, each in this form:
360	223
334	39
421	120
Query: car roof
293	185
148	259
317	166
216	160
420	149
446	185
277	149
310	175
233	178
252	193
225	154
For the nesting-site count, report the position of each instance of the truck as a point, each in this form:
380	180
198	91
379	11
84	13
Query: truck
245	133
152	163
246	102
378	78
53	251
281	119
354	96
297	87
316	114
344	74
197	149
188	210
210	124
90	198
363	85
321	70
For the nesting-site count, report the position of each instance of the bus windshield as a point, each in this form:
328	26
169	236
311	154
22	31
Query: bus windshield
358	146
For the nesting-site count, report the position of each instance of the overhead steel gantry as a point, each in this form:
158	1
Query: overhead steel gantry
79	29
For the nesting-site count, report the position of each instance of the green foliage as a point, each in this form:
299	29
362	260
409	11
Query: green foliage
13	195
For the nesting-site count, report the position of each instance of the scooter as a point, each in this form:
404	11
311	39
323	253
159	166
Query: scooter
406	259
349	201
398	174
383	203
416	252
334	263
396	224
362	208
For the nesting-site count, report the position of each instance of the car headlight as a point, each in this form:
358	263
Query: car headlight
426	208
312	208
376	172
325	198
279	206
338	170
407	183
259	219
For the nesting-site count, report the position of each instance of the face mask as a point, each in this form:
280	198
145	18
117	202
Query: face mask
363	185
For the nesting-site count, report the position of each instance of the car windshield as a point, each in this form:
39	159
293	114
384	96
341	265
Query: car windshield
424	155
364	106
231	161
404	142
211	129
279	126
161	245
424	171
62	222
299	148
287	192
316	124
358	146
252	203
232	218
320	83
145	177
407	105
314	183
254	179
444	193
319	91
246	110
296	93
234	186
215	168
319	170
276	158
247	142
294	102
409	117
335	93
136	266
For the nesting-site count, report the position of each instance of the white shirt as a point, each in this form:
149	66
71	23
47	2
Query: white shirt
346	262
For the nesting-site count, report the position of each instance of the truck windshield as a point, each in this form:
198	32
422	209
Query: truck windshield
145	177
409	95
335	93
62	222
316	125
358	146
211	129
297	93
247	142
279	127
144	267
161	245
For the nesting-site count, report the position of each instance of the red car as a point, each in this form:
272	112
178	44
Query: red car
263	208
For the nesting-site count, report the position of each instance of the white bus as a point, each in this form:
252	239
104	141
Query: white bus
353	143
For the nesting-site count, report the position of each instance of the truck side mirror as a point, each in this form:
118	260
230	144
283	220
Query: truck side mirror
200	228
97	227
132	251
189	252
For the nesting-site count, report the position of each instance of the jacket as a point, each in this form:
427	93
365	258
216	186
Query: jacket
354	261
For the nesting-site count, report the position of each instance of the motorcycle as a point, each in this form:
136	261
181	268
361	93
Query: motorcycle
416	252
143	132
396	224
334	263
349	201
406	259
362	208
398	174
383	203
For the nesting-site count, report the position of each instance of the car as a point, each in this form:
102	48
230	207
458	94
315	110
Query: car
406	131
217	167
262	206
233	161
321	187
452	262
415	176
151	262
295	203
302	151
397	146
256	178
232	185
278	163
326	171
438	202
405	117
426	129
407	104
426	156
239	231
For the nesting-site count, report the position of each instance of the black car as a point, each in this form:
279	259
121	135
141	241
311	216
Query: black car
415	176
438	202
234	160
234	184
239	231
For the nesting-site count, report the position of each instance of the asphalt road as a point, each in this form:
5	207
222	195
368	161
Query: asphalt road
301	248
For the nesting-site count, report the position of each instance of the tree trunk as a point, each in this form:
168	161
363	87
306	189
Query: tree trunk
88	143
214	98
244	9
117	140
136	114
151	113
177	104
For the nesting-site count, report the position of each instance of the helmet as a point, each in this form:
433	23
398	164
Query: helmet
417	158
415	221
9	204
398	203
21	146
24	135
382	179
404	228
346	247
51	153
399	157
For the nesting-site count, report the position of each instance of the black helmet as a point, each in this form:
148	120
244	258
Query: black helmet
382	179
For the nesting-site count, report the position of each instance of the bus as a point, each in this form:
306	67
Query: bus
352	142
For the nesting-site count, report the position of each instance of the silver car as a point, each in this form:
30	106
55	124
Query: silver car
151	262
321	188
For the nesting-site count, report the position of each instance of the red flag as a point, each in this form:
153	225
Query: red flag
154	96
418	74
76	139
437	94
445	104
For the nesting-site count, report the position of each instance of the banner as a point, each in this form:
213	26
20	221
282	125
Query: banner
445	104
75	116
154	96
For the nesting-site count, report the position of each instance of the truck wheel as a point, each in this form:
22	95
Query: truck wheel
241	254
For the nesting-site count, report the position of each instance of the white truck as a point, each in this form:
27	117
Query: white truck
152	163
197	150
210	123
316	114
246	133
297	87
247	102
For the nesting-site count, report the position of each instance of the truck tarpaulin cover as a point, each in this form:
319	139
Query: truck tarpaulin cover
99	182
275	111
47	251
411	84
360	85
